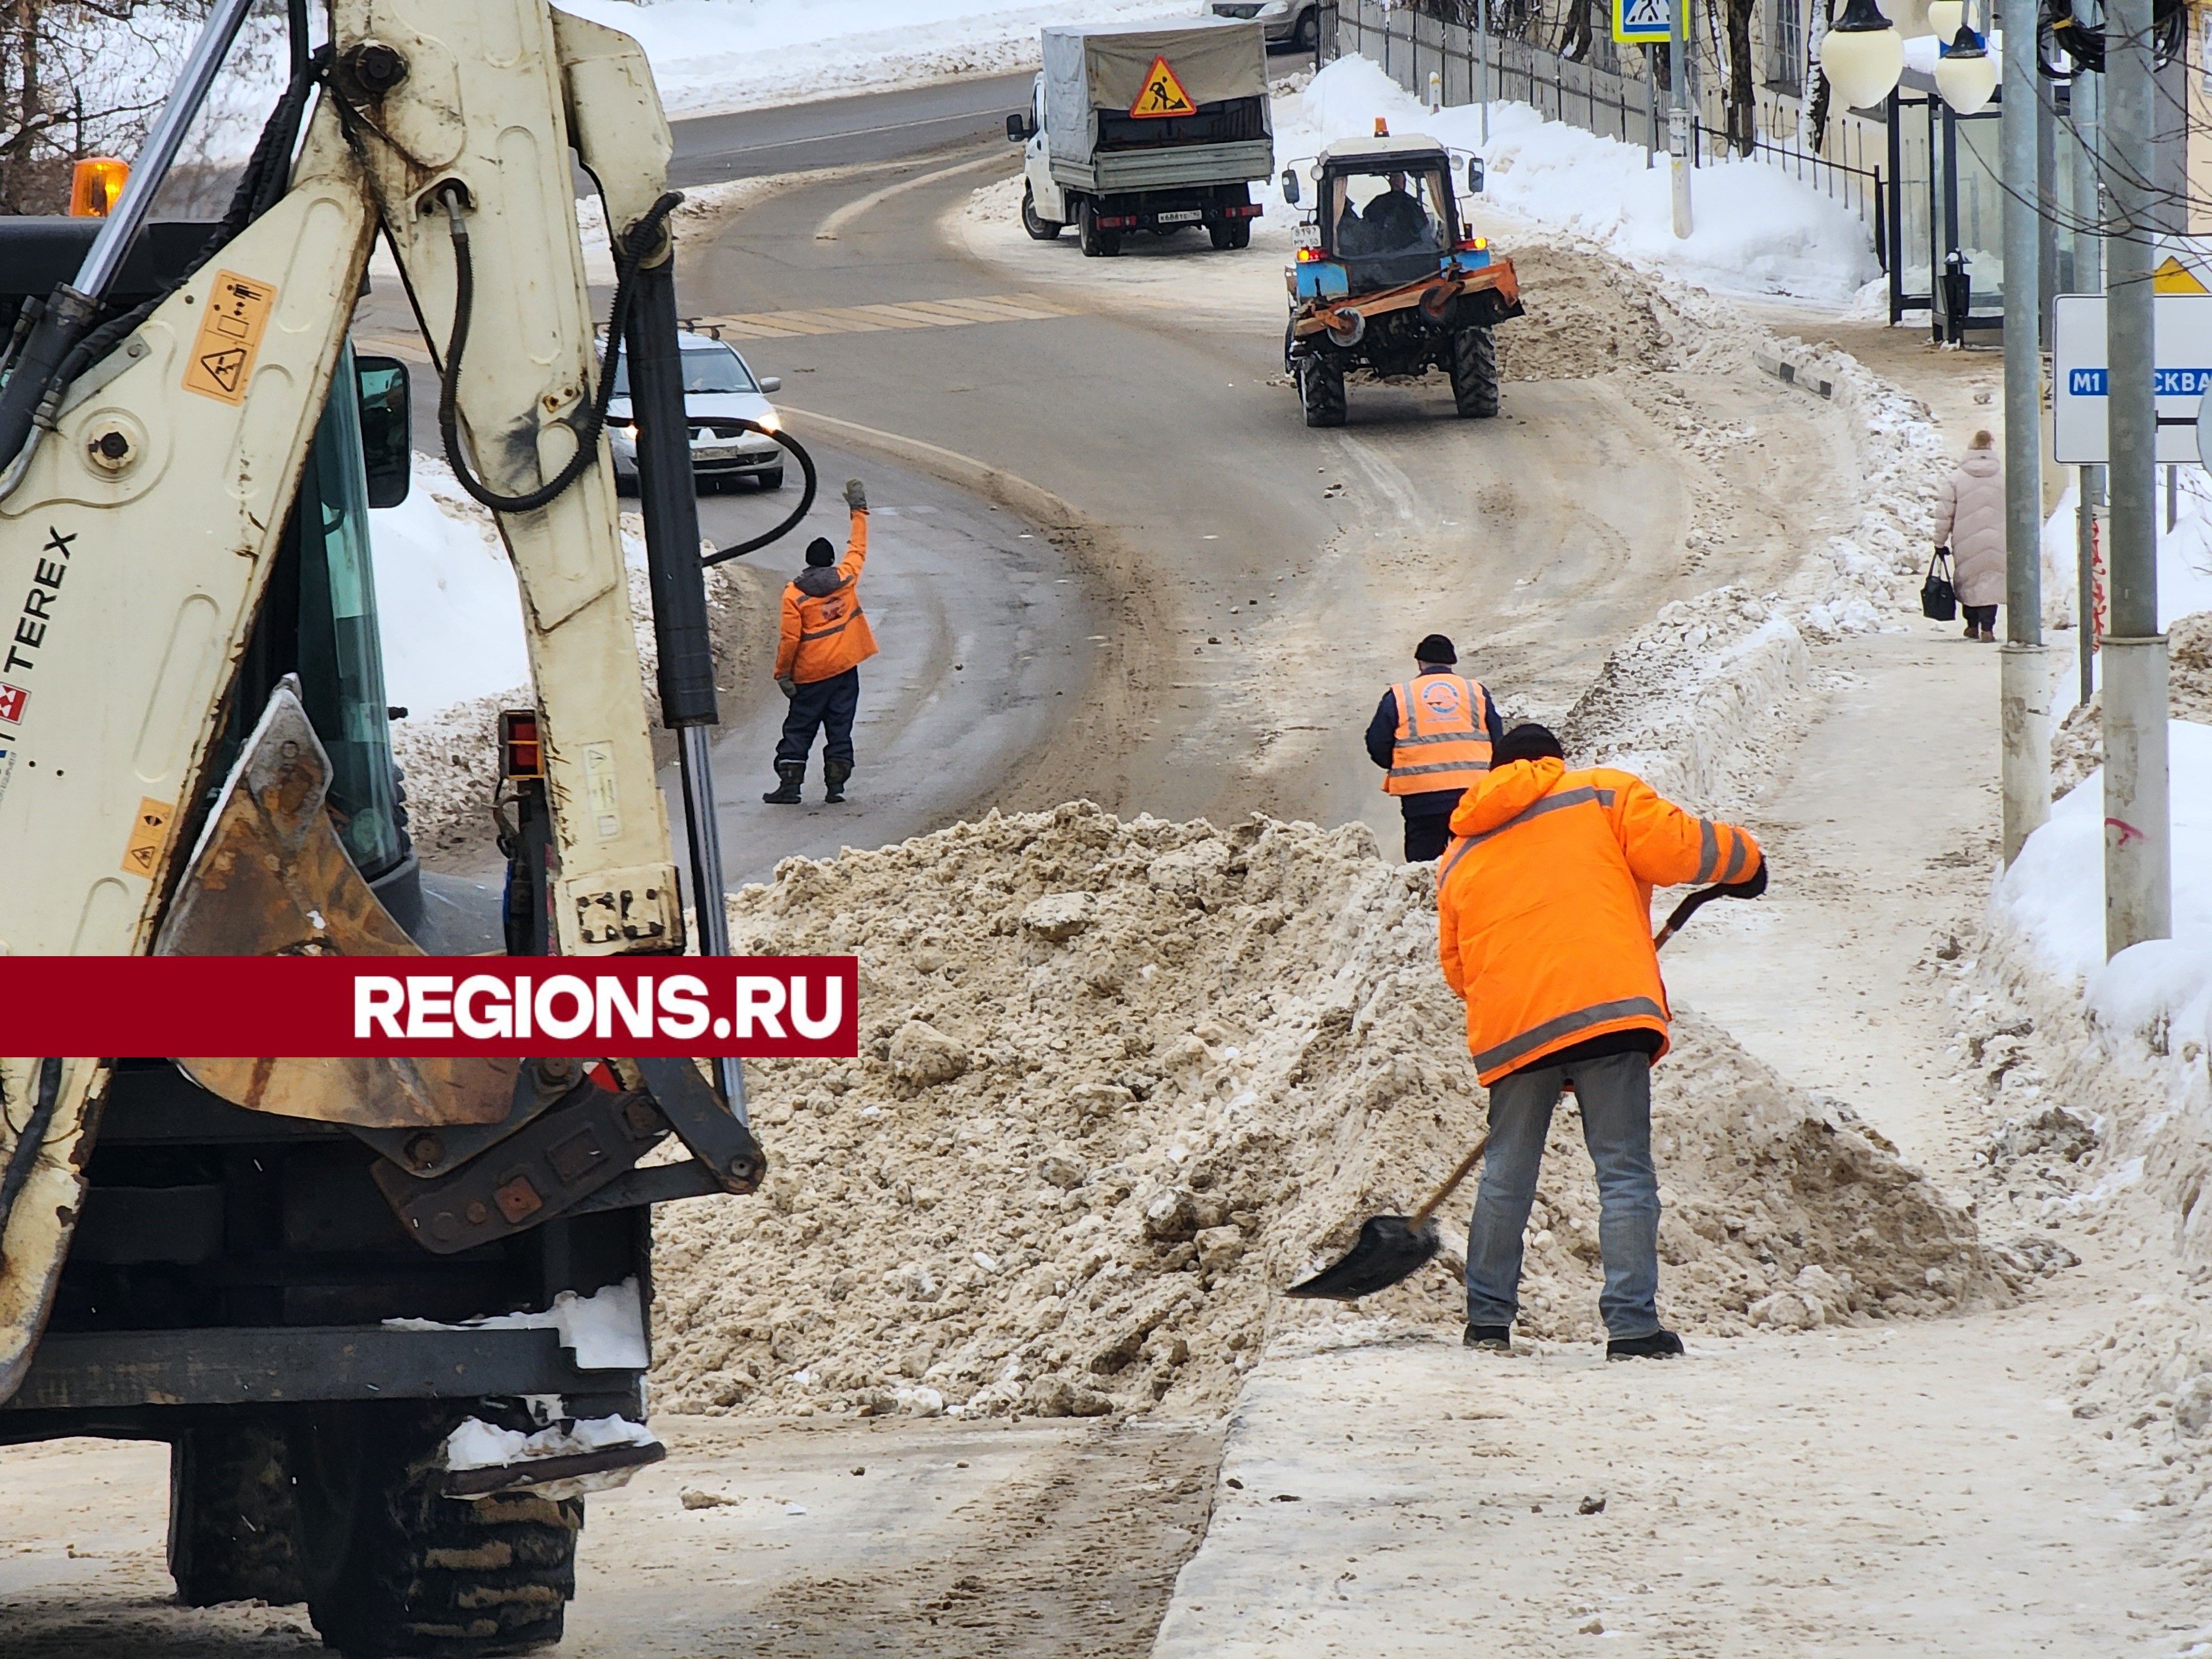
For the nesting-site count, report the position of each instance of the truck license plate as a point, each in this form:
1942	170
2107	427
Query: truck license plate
1187	216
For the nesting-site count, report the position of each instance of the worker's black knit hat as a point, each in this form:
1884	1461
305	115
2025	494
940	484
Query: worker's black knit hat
818	551
1435	648
1530	741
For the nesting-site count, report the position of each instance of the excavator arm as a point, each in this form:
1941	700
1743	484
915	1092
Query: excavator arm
142	514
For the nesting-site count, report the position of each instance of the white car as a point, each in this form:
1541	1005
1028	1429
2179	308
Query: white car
719	390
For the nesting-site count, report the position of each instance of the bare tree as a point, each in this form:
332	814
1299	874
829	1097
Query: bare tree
80	78
1743	104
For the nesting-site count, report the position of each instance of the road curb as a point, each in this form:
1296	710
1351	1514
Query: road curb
1796	375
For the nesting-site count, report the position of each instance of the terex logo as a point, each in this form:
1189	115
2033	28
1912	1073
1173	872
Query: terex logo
12	699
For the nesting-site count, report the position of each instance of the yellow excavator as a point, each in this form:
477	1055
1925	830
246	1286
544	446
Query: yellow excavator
387	1377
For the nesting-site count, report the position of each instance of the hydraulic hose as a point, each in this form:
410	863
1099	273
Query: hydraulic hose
629	254
791	521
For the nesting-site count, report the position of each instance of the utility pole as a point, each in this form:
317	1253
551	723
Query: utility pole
2138	847
2088	278
1678	113
2024	687
1482	40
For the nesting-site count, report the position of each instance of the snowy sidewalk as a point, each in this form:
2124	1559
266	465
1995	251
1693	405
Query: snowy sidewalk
1912	1488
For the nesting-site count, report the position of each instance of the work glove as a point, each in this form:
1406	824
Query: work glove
1751	886
856	495
789	687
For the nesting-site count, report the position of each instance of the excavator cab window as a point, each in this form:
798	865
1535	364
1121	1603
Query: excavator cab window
319	620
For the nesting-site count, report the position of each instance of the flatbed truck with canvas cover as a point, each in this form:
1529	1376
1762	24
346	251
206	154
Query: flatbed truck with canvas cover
390	1315
1155	128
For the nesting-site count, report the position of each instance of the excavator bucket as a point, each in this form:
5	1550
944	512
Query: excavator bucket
270	877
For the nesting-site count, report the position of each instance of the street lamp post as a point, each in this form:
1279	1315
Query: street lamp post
2024	694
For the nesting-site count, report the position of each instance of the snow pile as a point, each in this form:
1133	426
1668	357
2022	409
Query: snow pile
1125	1080
1758	229
712	56
452	612
1696	704
2077	747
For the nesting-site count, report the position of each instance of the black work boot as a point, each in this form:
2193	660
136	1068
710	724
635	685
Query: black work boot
786	793
834	774
1660	1344
1489	1338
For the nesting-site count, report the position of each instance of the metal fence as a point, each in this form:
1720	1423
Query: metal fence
1411	46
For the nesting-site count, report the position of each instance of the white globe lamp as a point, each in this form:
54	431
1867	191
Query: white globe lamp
1945	17
1966	75
1863	56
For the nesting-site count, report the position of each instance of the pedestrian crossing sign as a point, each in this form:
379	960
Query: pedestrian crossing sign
1643	22
1162	94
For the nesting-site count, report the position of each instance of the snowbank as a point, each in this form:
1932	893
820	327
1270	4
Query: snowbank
713	55
445	597
1759	230
2185	552
2054	894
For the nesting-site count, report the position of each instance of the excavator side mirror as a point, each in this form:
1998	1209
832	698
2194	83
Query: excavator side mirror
1474	175
385	411
1291	185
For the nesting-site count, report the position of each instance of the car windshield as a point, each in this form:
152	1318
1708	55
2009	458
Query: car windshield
1376	215
705	368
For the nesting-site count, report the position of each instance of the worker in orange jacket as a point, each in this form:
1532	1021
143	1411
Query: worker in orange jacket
825	639
1544	926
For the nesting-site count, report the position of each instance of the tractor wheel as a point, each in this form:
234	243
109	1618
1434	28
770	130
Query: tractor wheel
1320	389
1041	230
1096	244
396	1569
1475	372
231	1520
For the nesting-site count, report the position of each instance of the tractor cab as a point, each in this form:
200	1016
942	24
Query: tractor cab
1384	209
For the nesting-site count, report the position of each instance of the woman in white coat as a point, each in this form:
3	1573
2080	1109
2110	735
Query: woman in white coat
1970	517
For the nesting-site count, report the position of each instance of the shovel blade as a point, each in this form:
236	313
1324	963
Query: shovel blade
1390	1248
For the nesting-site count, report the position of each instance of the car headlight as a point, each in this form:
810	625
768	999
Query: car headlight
771	422
1275	8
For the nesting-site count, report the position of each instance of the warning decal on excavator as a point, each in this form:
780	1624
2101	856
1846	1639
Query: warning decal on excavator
1162	94
231	326
147	835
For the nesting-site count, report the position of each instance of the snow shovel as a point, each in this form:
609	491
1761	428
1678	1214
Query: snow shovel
1391	1248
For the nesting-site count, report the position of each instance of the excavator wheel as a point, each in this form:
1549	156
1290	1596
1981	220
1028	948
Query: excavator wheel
396	1569
231	1518
1475	372
1320	389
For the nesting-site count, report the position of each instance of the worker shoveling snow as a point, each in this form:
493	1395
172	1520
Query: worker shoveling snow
1120	1082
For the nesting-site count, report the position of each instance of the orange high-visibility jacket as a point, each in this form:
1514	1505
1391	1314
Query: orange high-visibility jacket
1544	905
1444	735
824	634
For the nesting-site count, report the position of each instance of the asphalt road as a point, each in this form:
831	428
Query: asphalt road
845	131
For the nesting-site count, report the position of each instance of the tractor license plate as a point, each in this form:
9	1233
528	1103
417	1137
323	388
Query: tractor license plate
1187	216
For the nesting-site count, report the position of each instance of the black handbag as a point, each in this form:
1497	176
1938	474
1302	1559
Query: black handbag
1939	600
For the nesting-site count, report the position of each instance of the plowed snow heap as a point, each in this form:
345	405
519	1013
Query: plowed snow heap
1120	1082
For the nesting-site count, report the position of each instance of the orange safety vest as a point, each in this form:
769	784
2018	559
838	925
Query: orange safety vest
1444	735
825	635
1544	905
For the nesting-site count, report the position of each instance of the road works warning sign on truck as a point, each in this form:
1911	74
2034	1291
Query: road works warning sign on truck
1162	94
2081	391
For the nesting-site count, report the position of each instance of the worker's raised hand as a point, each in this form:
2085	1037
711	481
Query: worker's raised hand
1751	886
856	495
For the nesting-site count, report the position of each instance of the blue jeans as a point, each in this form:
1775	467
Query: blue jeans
827	706
1615	1094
